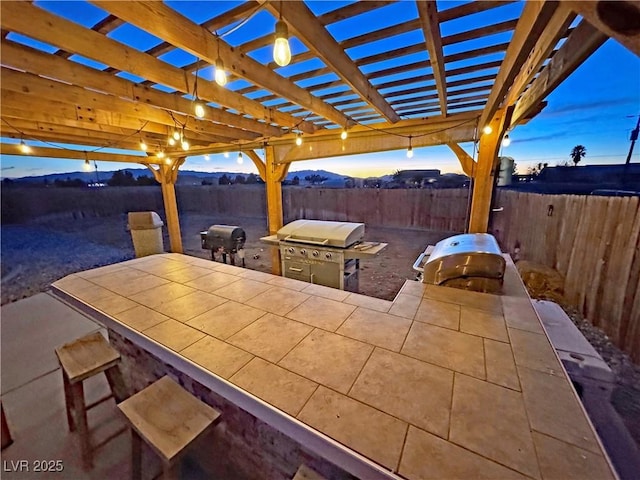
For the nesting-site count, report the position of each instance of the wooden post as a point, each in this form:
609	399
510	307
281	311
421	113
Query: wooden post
167	176
274	174
485	171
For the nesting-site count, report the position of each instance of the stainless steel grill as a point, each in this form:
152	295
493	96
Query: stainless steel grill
471	261
323	252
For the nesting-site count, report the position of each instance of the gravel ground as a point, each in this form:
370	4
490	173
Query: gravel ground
33	256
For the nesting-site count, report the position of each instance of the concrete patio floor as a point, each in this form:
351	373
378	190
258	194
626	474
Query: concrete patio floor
33	401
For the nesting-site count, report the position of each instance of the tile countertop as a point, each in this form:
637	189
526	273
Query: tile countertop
439	383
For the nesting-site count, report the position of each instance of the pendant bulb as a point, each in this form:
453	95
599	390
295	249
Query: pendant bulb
143	145
240	159
24	148
185	144
344	134
87	165
176	135
299	139
206	157
220	74
281	48
506	141
487	129
160	154
199	109
410	152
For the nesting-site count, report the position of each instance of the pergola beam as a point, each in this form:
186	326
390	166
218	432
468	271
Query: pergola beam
534	17
311	32
47	152
428	12
191	37
29	20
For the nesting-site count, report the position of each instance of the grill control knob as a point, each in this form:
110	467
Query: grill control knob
315	253
328	255
291	250
303	252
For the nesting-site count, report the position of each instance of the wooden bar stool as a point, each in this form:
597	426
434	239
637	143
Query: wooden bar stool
80	360
168	419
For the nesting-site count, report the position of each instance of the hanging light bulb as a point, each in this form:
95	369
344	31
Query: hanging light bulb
487	129
87	166
24	148
299	139
226	154
206	157
176	135
281	49
240	159
167	161
506	141
410	149
344	134
172	141
143	145
199	109
220	74
160	154
184	144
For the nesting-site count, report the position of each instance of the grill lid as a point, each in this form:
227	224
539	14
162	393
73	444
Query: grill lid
320	232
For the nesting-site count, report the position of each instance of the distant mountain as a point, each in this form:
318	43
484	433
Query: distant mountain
186	177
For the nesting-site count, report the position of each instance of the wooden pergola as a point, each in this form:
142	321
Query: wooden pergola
66	78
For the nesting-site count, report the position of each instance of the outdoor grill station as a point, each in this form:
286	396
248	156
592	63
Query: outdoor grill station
323	252
225	240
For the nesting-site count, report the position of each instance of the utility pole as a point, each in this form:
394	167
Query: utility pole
634	137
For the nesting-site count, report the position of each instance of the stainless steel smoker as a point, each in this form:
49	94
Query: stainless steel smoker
471	261
323	252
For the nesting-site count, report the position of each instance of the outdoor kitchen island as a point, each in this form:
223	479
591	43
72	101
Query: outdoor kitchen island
440	383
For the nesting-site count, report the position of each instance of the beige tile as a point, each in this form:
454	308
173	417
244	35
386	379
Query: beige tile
113	304
202	263
560	460
513	285
414	391
131	286
454	350
278	300
428	457
443	314
492	421
217	356
376	328
162	294
481	301
158	266
226	319
405	305
270	337
191	305
483	324
289	283
186	273
117	277
226	268
501	369
97	272
327	358
140	318
362	428
519	313
368	302
326	292
322	313
553	409
212	281
173	334
81	288
412	287
275	385
534	351
255	275
242	290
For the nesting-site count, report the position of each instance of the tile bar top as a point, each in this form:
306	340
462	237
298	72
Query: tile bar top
439	383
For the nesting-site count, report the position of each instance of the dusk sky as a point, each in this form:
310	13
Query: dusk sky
597	106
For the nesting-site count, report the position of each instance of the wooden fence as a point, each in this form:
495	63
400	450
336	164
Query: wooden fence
594	242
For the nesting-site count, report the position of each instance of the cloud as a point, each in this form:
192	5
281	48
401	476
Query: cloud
550	136
553	111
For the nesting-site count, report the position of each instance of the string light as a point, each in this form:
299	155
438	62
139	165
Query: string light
299	139
167	161
206	157
410	149
143	145
199	109
344	134
240	159
87	166
281	48
172	141
487	129
24	148
506	141
185	144
226	154
176	135
160	154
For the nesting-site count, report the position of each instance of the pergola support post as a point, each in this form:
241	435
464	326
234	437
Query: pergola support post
167	175
485	171
273	174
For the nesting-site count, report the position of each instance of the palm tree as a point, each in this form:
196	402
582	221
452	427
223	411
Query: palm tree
577	153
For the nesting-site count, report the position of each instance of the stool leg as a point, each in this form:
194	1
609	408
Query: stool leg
68	401
116	382
136	456
77	392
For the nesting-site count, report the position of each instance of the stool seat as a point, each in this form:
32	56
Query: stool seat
167	418
86	357
79	360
